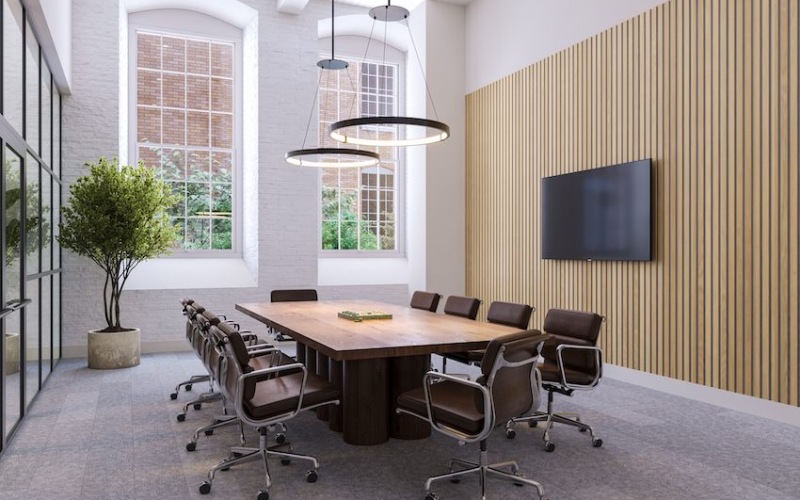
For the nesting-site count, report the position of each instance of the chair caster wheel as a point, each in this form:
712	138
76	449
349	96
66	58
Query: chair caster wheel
285	461
197	406
209	432
431	496
173	396
311	476
188	387
511	433
597	442
191	446
549	447
205	488
262	495
532	423
280	438
181	417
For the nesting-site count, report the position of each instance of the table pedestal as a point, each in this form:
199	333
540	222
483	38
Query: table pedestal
369	389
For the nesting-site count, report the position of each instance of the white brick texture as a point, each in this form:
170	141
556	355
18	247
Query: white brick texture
287	197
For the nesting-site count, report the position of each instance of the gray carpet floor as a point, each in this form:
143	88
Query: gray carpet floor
113	434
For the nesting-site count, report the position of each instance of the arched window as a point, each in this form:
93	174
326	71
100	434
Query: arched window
185	92
362	208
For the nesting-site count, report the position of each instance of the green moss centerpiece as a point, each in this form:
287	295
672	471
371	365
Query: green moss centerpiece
364	315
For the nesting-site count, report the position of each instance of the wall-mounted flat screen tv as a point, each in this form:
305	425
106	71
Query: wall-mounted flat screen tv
598	214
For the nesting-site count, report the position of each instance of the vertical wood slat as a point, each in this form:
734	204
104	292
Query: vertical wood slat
709	90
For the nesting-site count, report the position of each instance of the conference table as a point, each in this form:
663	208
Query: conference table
371	361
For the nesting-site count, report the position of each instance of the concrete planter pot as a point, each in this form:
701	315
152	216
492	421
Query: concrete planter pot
109	350
11	348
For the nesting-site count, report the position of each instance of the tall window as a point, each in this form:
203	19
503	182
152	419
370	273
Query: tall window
185	116
359	206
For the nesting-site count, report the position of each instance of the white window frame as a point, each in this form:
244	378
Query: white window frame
352	48
192	24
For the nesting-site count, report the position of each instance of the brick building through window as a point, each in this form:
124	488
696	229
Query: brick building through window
359	206
185	129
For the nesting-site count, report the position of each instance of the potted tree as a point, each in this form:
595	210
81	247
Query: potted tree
117	217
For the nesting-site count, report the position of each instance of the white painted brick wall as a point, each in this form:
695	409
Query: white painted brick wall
287	197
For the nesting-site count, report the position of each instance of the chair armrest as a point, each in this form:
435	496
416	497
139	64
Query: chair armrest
262	374
598	360
431	378
260	350
249	337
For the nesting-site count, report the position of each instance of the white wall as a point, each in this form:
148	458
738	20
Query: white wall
288	198
445	230
504	36
52	21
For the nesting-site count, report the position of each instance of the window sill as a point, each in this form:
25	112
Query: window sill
361	270
176	273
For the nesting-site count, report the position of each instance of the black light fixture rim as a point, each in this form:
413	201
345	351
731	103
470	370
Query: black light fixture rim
333	151
390	120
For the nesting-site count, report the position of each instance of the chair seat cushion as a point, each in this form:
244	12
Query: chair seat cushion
454	405
279	395
551	375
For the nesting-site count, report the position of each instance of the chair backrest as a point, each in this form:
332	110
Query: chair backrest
509	371
574	328
295	295
428	301
466	307
508	313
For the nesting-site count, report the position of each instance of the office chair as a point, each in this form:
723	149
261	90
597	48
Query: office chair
469	411
263	398
189	309
502	313
466	307
260	356
428	301
290	295
571	361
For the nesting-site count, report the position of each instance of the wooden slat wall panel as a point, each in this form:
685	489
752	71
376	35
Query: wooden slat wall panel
709	90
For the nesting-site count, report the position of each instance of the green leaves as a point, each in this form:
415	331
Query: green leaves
117	217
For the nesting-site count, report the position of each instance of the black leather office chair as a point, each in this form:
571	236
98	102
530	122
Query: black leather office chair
265	397
571	361
502	313
189	309
290	295
261	356
469	411
293	295
465	307
428	301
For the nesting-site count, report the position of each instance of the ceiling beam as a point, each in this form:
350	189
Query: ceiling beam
291	6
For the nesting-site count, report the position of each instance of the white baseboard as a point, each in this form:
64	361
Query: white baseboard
724	399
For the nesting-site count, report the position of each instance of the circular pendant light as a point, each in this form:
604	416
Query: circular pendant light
407	131
391	130
330	157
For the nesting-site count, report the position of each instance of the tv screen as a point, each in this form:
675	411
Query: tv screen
598	214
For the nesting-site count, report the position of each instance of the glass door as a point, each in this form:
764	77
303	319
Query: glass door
11	314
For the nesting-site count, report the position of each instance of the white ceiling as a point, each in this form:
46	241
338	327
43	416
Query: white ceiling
408	4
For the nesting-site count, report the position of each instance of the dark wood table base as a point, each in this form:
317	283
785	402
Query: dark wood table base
369	390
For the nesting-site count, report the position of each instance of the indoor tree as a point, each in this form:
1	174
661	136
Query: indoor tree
117	217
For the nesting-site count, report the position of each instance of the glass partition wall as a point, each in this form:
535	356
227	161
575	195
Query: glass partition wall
30	200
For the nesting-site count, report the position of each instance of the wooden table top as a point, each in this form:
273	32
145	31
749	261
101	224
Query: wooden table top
410	332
